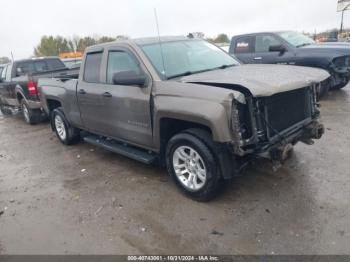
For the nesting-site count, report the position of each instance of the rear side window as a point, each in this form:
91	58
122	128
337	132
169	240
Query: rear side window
120	61
264	42
244	45
92	67
24	68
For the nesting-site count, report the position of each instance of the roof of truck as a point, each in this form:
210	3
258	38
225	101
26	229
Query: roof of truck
36	59
139	41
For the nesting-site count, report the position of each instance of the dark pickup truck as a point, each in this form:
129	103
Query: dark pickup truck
18	85
187	104
292	48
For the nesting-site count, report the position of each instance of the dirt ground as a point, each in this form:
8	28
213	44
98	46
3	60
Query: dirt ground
84	200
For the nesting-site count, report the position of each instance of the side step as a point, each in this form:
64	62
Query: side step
122	149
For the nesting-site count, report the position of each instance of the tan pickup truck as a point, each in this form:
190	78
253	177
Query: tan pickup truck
187	104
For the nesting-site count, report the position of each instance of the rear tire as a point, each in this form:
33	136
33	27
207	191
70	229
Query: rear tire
193	167
67	134
31	116
5	111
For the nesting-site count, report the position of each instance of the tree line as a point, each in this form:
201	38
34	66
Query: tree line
54	45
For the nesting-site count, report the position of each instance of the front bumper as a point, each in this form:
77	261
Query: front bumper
303	133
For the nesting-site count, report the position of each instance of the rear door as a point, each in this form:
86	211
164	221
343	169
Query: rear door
7	87
89	93
263	55
3	88
243	49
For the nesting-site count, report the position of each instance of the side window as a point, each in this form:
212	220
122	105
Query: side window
3	73
24	68
244	45
264	42
92	67
120	61
8	72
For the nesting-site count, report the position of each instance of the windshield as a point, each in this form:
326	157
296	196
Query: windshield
296	39
186	57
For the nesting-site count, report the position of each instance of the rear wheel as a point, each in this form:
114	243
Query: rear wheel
193	167
31	116
4	110
65	132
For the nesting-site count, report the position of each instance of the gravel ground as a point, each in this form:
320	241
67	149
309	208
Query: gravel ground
84	200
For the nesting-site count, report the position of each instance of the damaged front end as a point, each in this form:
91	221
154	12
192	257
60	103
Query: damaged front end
269	127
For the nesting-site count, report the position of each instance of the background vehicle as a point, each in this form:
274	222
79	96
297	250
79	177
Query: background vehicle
72	62
18	85
185	103
293	48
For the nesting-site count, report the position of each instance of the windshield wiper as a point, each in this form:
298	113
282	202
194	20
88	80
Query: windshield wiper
305	44
187	73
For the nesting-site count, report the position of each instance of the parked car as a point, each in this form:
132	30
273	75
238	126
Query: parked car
18	85
187	104
72	62
294	48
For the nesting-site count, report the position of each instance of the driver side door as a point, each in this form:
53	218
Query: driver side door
263	55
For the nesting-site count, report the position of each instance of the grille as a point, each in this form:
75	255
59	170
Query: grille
284	110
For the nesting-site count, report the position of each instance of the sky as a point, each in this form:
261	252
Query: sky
24	22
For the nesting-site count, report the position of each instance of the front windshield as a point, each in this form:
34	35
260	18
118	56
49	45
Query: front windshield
186	57
296	39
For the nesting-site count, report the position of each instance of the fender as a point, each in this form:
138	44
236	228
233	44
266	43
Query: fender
210	114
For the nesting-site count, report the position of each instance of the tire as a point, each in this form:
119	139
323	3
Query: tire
67	134
31	116
193	167
5	111
342	85
324	89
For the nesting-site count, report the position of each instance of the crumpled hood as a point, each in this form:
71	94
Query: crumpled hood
261	80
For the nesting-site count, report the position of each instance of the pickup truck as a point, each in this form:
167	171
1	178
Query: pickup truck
18	85
186	104
293	48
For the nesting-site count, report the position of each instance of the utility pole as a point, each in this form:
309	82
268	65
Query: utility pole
342	18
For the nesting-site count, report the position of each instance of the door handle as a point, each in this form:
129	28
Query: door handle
82	91
258	58
107	94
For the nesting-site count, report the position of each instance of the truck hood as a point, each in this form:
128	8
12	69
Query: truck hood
260	80
331	50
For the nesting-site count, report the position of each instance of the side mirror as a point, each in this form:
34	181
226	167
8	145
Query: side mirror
129	78
277	48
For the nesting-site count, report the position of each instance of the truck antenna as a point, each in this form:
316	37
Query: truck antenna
160	42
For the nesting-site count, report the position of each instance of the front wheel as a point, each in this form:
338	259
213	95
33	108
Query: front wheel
193	167
65	132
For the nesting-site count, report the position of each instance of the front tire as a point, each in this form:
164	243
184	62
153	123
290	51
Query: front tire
64	131
193	167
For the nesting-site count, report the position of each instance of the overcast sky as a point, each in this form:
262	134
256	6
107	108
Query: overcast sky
23	22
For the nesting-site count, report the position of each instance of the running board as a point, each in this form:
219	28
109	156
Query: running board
122	149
